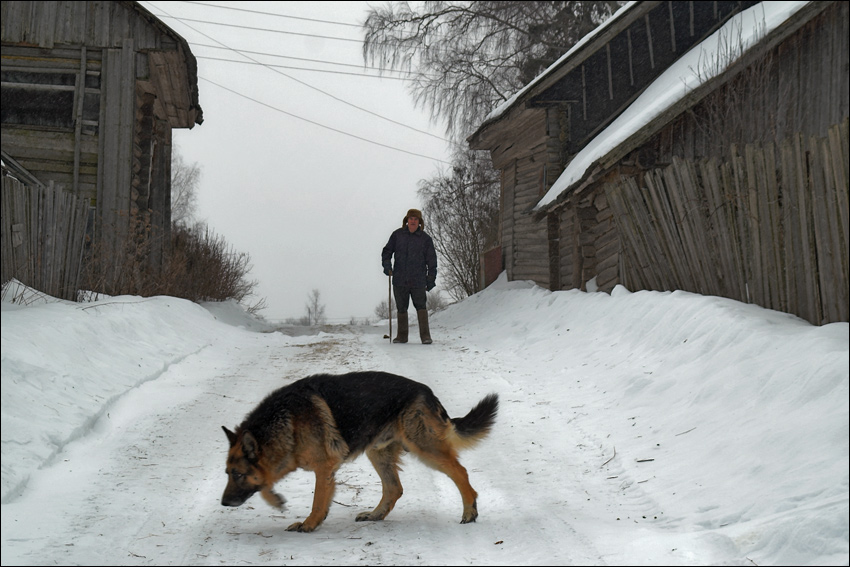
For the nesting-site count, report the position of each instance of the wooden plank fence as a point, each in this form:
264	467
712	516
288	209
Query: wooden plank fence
769	227
43	236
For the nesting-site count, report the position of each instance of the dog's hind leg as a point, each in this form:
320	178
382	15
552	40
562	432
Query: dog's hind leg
428	436
446	461
385	460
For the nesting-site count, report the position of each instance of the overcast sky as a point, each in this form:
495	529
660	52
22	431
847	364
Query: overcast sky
307	171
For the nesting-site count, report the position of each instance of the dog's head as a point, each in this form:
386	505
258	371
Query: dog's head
245	476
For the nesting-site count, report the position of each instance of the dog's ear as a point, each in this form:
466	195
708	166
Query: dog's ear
231	437
250	447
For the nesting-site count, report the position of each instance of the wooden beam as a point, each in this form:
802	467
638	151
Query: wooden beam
649	41
672	27
583	94
691	17
78	118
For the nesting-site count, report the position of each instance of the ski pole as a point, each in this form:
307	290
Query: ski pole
390	304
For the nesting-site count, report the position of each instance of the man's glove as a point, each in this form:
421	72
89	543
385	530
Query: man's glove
430	285
387	271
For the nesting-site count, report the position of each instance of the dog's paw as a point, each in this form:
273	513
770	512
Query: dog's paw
470	514
369	517
300	527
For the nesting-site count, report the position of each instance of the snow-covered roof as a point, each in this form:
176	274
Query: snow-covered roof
703	62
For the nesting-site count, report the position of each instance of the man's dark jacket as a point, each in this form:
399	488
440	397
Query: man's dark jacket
415	258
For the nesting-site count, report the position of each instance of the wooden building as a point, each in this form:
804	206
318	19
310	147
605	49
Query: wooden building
91	91
593	193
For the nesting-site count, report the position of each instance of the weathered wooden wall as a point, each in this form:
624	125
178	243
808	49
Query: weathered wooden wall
91	92
800	86
530	246
773	233
66	154
526	176
589	246
43	235
794	83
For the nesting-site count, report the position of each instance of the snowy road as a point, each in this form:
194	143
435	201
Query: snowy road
169	429
633	429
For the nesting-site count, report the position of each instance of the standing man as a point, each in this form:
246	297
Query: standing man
414	272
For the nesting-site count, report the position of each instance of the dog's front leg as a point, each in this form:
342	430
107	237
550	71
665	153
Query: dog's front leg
325	485
274	499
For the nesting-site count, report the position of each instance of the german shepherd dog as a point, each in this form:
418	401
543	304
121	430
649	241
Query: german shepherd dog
319	422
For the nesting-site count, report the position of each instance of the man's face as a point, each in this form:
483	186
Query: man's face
412	224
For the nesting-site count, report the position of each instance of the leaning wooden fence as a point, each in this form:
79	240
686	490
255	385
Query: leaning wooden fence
767	227
44	230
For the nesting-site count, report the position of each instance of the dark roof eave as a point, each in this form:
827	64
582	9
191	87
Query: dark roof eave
558	69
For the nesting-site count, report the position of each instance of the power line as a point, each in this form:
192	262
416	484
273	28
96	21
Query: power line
380	70
181	20
277	15
301	68
270	30
263	29
321	125
273	14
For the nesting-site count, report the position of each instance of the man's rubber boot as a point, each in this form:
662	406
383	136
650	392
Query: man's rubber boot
402	328
424	331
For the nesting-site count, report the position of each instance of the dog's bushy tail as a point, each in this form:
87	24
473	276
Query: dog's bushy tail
475	425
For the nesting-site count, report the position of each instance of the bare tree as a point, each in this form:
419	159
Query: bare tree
462	210
315	310
384	310
185	179
467	57
435	302
737	112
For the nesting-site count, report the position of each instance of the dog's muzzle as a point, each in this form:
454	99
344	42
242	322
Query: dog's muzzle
236	497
